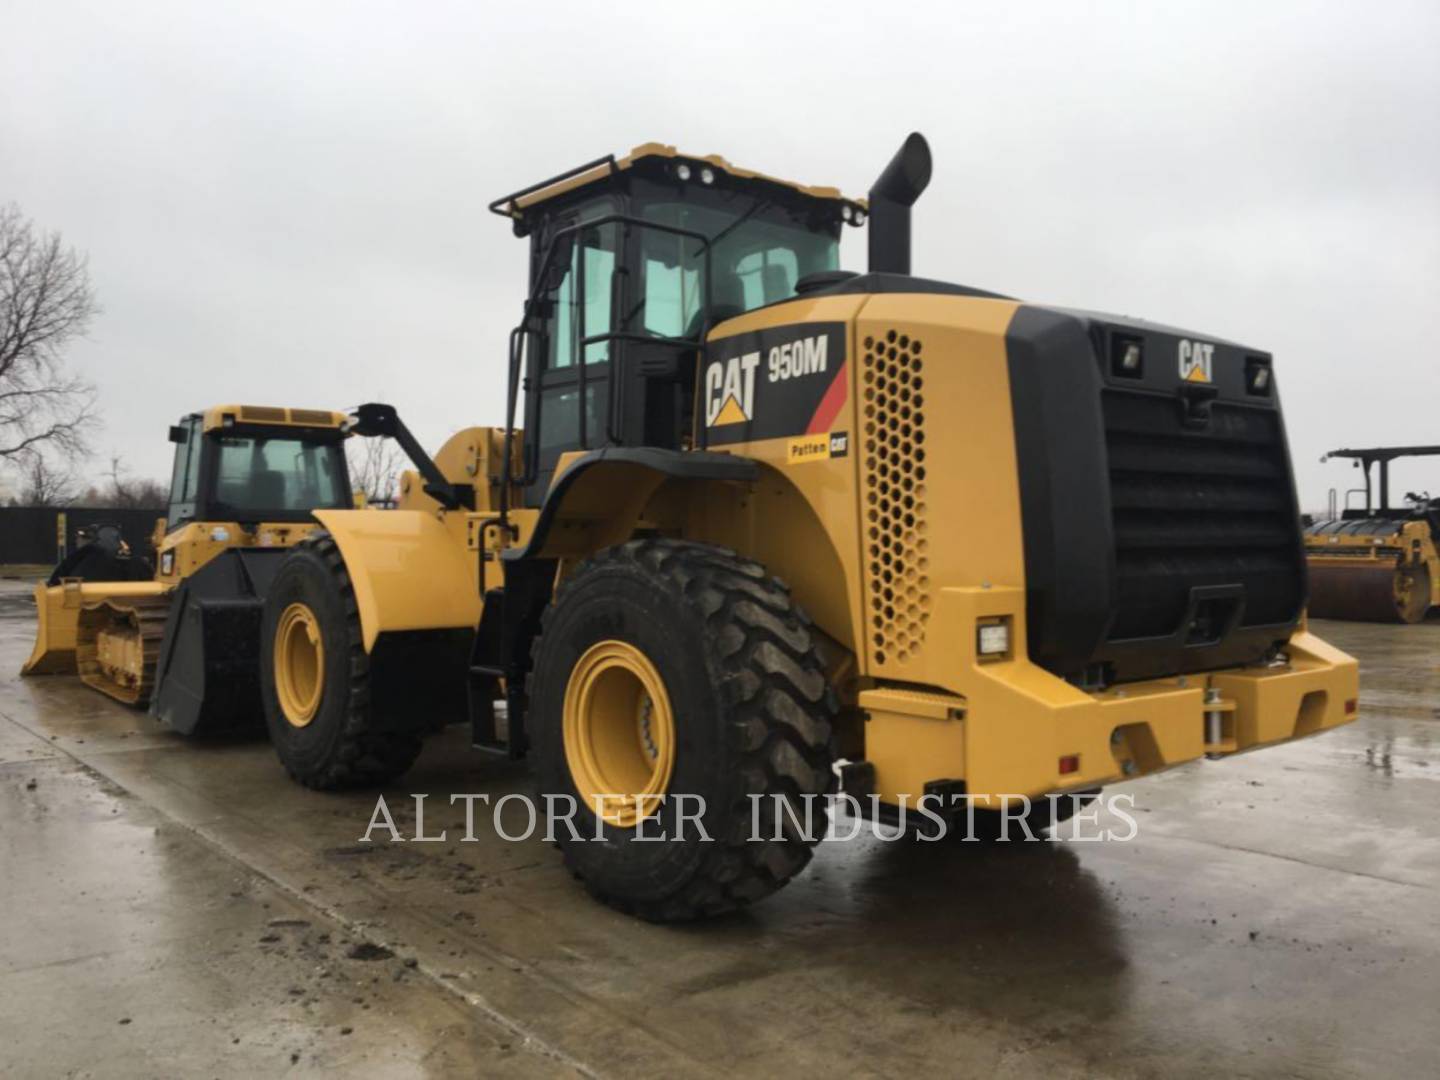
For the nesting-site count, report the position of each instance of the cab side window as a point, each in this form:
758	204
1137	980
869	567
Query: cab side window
582	299
185	478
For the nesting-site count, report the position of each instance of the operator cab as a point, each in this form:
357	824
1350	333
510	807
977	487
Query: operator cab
632	263
249	463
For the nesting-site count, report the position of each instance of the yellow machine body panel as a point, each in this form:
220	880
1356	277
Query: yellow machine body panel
471	456
857	517
411	569
184	551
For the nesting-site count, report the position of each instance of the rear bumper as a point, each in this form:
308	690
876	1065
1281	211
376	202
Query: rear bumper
1018	730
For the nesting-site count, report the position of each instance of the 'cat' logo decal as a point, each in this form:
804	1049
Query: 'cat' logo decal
1197	360
785	381
730	390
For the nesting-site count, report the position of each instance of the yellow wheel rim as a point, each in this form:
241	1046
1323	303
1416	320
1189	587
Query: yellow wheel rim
619	733
299	664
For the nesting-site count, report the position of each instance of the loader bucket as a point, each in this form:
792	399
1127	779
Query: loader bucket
57	613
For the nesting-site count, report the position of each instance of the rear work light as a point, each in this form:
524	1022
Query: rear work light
1127	357
1258	377
993	640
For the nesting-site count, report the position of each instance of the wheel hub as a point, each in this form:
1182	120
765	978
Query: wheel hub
619	733
299	664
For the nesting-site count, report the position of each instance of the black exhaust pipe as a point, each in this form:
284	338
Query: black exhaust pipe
891	198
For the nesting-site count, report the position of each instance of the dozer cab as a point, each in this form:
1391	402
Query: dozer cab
770	523
1376	563
182	638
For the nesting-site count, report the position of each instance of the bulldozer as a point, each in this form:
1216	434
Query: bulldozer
757	527
181	637
1376	562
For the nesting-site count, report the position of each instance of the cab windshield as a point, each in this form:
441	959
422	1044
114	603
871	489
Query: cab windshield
255	474
760	247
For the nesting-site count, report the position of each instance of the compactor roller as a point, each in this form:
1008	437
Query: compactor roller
1379	563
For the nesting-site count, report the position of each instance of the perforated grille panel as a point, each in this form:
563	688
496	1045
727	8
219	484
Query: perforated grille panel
897	541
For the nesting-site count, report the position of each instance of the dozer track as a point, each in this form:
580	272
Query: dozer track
1369	593
117	643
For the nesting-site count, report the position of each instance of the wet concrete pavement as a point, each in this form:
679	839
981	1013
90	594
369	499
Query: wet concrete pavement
1276	915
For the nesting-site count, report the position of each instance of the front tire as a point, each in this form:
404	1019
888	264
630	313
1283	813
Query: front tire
676	669
315	677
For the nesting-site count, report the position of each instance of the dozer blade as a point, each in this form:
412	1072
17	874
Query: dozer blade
1367	593
117	642
56	611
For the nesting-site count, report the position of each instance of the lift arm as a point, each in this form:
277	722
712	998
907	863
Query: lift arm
376	420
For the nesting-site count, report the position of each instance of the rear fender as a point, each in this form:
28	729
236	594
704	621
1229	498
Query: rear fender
411	569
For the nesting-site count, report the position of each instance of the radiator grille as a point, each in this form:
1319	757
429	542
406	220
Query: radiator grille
1197	507
897	545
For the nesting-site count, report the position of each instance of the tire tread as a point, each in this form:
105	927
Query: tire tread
776	697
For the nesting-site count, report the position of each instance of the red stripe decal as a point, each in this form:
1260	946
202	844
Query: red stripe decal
831	404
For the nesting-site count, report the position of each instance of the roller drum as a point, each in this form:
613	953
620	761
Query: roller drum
1369	593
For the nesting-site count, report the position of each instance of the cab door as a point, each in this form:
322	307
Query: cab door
566	363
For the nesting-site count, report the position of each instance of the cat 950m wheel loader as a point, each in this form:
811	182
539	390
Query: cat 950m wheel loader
770	525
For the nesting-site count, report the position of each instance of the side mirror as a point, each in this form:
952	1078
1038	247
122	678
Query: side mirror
179	433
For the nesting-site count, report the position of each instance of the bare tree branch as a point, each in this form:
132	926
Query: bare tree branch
45	302
374	468
124	492
44	484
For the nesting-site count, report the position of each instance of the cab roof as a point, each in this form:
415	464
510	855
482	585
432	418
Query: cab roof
216	416
515	205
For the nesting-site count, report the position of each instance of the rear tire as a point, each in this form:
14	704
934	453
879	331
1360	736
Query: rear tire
318	706
749	710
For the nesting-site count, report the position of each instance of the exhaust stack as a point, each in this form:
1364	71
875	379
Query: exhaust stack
891	198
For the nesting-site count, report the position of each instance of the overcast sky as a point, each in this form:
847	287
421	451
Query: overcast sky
285	203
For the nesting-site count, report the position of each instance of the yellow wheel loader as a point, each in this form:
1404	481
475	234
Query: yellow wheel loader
1378	563
182	638
772	525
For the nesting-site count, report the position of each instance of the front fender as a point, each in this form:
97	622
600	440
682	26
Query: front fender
410	569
